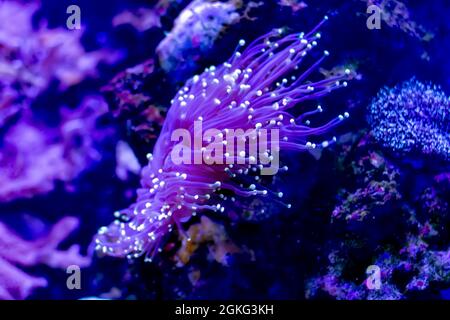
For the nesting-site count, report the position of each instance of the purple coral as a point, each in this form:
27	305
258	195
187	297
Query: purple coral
16	252
252	92
412	260
34	156
412	116
31	58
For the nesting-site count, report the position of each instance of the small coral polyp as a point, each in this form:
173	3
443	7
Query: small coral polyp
254	89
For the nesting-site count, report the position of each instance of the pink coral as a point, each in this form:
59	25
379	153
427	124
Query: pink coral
34	156
31	58
15	252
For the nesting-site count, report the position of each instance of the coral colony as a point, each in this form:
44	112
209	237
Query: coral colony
237	105
14	252
35	156
195	31
197	27
44	156
412	116
30	59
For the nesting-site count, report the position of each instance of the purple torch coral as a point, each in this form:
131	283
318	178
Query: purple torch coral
249	95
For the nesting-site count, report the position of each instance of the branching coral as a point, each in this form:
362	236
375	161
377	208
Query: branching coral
31	58
251	92
33	156
33	153
16	252
412	116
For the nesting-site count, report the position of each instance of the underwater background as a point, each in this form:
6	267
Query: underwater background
81	109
